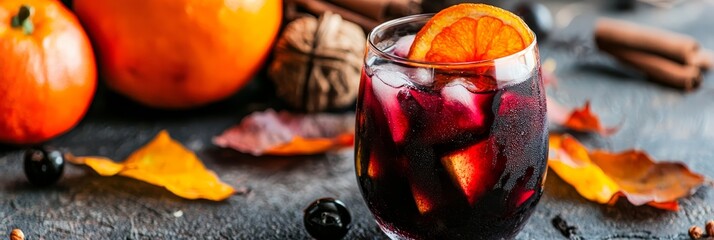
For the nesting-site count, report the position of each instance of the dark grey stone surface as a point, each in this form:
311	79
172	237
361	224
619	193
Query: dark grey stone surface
667	123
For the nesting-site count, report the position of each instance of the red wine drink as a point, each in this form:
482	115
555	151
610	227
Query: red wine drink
449	151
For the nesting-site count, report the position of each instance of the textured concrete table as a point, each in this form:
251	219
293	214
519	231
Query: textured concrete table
667	123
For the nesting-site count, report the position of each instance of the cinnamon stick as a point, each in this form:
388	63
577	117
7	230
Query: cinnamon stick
380	10
620	34
318	7
658	68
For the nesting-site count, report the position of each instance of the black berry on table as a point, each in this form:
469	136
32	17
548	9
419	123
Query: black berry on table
44	165
327	218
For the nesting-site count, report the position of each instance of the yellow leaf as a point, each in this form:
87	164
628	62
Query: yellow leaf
569	159
103	166
165	162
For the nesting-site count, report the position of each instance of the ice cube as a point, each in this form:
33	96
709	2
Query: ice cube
511	71
508	103
469	168
428	101
392	75
458	91
387	86
470	110
403	45
421	76
518	106
397	75
451	116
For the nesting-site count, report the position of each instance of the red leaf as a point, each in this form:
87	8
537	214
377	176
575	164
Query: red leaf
285	133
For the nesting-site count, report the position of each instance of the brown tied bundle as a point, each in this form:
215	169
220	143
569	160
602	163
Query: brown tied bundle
666	57
366	13
317	63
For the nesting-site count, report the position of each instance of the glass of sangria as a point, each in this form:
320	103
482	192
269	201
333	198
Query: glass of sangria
448	148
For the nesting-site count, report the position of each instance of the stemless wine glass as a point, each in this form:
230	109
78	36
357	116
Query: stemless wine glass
449	150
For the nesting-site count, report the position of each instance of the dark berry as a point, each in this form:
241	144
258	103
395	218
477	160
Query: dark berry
43	166
327	218
537	16
623	4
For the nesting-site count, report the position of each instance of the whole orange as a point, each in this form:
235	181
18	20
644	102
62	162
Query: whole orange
179	53
47	71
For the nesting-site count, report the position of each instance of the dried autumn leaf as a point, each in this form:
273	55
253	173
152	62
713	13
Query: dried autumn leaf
643	181
288	134
603	177
580	119
165	162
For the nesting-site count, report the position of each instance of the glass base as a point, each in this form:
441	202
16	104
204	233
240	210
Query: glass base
391	234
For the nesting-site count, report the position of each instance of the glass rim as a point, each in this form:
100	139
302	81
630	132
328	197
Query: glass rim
403	60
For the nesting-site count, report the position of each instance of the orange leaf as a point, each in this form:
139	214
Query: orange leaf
302	146
643	181
585	121
165	162
579	119
288	134
603	177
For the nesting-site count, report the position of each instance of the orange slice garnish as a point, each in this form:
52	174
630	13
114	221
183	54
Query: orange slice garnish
470	32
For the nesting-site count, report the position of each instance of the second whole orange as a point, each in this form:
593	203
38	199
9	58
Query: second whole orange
179	54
